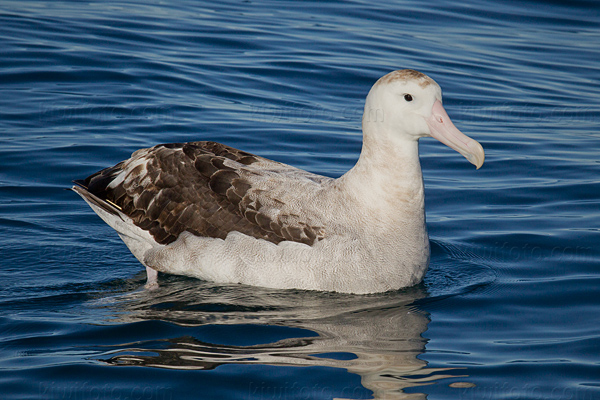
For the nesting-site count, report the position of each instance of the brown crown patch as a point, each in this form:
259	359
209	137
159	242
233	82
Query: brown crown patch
406	75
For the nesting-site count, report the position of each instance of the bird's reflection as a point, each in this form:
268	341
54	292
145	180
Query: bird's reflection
382	334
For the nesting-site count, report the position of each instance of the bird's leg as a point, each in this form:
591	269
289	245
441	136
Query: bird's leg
152	282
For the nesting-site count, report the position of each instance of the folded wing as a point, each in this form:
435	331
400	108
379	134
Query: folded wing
206	188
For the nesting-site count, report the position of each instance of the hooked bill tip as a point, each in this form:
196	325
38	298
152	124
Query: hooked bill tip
477	155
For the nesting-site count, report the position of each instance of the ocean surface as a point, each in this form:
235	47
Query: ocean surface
510	307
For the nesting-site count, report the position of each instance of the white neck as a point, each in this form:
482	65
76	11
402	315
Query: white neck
387	177
383	194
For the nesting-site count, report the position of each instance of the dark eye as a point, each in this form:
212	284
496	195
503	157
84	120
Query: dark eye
408	97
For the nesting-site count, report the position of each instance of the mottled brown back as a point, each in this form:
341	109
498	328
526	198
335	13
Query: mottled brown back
171	188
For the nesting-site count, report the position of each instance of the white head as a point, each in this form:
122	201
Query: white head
407	105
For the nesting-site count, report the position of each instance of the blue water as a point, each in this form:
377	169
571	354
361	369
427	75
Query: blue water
510	306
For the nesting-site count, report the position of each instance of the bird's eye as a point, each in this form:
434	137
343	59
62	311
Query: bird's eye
408	97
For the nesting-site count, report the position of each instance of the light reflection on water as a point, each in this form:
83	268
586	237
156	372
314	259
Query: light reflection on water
382	334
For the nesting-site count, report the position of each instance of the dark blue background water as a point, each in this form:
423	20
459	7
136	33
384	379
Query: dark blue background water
510	306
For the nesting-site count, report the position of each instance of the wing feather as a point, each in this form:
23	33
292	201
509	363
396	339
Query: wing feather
200	187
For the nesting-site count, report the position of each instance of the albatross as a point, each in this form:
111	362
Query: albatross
210	211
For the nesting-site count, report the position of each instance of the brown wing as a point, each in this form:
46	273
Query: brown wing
171	188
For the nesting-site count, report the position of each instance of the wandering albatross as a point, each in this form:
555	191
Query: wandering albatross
207	210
